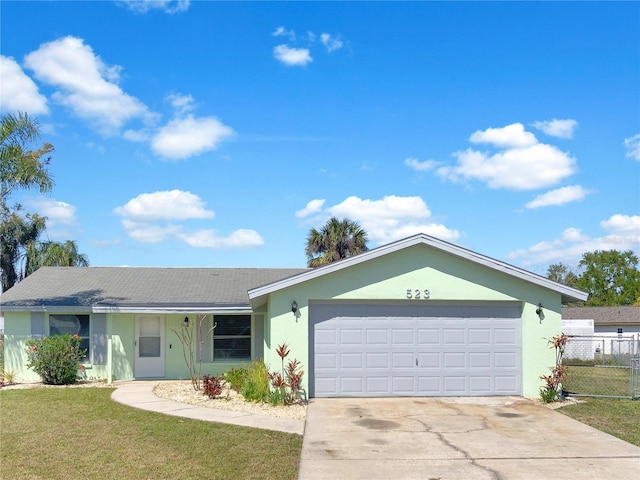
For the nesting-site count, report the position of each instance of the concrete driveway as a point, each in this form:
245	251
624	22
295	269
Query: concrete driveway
475	438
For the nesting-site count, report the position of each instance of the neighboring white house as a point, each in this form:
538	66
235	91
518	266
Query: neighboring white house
613	324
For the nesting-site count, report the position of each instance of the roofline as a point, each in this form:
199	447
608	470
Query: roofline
131	310
258	295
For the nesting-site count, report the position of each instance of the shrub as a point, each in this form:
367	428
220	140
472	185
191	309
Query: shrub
212	386
236	378
56	359
256	385
287	384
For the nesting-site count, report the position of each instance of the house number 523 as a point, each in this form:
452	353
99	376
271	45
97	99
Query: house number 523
417	294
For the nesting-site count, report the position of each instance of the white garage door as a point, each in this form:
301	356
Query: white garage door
415	349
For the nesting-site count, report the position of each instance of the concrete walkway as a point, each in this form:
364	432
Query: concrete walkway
139	394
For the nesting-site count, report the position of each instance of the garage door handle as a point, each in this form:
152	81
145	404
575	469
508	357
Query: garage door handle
416	362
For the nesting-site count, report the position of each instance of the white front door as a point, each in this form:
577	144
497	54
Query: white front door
149	346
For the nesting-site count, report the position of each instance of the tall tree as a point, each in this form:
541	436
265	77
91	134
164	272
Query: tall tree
610	277
336	240
21	167
53	254
559	272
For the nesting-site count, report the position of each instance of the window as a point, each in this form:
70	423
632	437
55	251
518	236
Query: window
232	337
72	325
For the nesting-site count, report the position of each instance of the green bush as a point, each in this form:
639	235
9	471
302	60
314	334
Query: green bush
236	378
256	385
56	359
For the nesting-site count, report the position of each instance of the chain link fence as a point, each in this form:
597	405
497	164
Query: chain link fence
602	366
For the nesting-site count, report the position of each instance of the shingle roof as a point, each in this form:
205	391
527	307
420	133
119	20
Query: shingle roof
132	287
604	315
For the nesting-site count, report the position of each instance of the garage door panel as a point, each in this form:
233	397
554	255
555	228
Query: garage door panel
430	385
402	360
429	360
386	350
403	336
428	336
505	360
377	360
454	336
480	385
352	385
505	336
454	360
479	360
351	360
505	385
350	336
378	385
326	361
403	385
454	385
377	336
479	336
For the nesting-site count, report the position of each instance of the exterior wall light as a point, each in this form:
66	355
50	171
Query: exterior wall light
186	322
539	309
294	307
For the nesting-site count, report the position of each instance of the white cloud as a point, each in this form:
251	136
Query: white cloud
168	6
136	135
151	218
387	219
185	137
164	205
57	212
283	32
332	44
557	128
292	56
87	86
529	168
241	238
633	147
182	104
149	233
511	136
419	166
622	233
314	206
622	224
560	196
18	93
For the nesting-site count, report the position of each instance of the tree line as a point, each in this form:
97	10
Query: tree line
22	248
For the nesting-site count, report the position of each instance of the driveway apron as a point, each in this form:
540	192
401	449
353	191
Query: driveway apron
456	438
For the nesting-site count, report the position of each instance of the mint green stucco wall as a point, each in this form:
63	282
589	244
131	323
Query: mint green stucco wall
17	330
447	277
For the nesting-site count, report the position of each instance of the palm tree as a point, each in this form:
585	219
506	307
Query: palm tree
53	254
19	166
336	240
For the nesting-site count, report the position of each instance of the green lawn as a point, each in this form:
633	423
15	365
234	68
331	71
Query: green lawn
619	417
67	433
590	380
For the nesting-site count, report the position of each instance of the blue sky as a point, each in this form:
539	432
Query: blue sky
217	134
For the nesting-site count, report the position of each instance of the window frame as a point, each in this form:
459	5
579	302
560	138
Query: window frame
86	359
215	337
